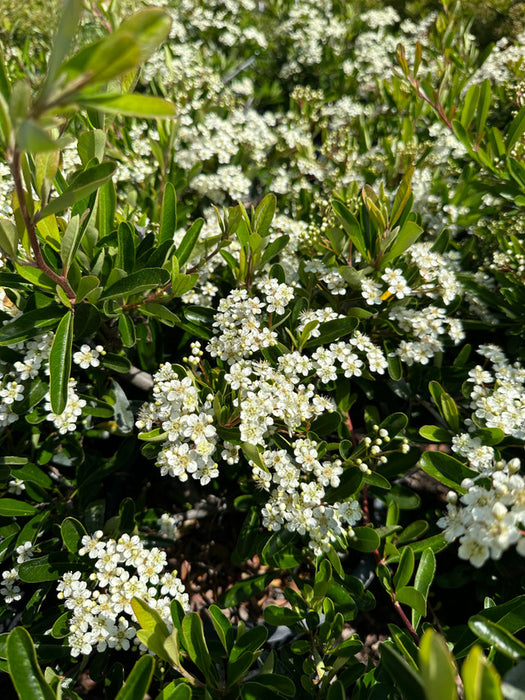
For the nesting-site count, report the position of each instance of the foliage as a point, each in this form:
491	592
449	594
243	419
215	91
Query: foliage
249	271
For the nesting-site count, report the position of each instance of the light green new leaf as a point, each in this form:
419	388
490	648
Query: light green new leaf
223	627
9	238
91	144
60	363
130	105
516	128
264	215
137	683
197	647
67	28
481	681
406	236
437	667
24	670
401	198
149	28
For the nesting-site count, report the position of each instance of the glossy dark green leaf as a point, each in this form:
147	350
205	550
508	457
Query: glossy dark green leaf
446	469
423	580
405	568
278	615
50	567
126	329
333	330
30	324
168	214
222	626
267	684
280	551
494	634
136	283
60	363
245	589
60	628
189	241
365	539
405	678
197	648
352	227
24	670
72	533
432	432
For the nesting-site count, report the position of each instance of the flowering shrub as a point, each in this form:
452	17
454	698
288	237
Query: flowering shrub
261	379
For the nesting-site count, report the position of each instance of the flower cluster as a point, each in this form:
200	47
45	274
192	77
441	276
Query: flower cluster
187	422
101	612
296	481
489	516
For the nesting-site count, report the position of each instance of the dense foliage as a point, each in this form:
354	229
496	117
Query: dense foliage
262	381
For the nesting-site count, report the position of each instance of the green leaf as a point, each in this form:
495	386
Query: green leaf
187	244
24	670
9	238
223	627
70	242
86	285
405	678
401	198
126	329
67	28
60	363
107	202
50	567
30	324
480	679
246	589
91	144
365	539
130	105
423	580
264	214
33	474
413	598
10	507
437	667
266	684
197	647
497	636
72	532
450	411
351	226
412	531
470	105
136	283
405	568
149	28
333	330
181	283
280	552
60	629
483	107
516	128
137	683
446	469
432	432
405	237
126	247
81	185
278	615
168	214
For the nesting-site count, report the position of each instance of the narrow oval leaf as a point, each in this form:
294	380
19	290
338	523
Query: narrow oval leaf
24	670
137	683
137	282
10	507
168	214
80	187
60	363
497	636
